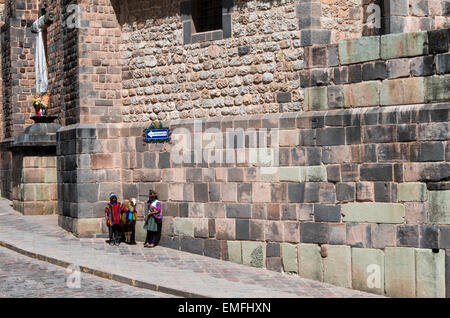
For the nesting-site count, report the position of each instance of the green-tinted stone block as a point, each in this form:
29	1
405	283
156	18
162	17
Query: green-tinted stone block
316	98
310	262
412	191
404	45
368	270
253	254
430	271
42	192
184	227
437	88
400	272
359	50
50	176
141	233
373	212
316	173
29	192
296	174
234	251
337	266
268	174
439	207
289	257
262	157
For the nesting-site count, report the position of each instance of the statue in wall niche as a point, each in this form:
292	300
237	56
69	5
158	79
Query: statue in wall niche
41	101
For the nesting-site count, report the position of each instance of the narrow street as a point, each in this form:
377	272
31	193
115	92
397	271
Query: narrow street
178	273
21	276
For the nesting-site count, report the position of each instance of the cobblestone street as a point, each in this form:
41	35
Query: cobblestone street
179	272
21	276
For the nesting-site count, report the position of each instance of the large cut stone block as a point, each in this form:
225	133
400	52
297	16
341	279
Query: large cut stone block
88	226
310	262
262	157
402	91
234	251
253	254
316	173
314	232
289	257
288	138
404	45
368	270
400	272
36	207
359	50
225	229
430	271
412	191
34	175
316	98
337	266
447	270
436	88
183	227
362	94
292	174
439	207
268	174
141	233
373	212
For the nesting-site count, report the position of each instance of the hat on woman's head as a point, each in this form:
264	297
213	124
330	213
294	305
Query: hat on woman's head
152	194
112	195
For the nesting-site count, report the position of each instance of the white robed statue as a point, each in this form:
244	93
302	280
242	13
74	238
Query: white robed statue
39	26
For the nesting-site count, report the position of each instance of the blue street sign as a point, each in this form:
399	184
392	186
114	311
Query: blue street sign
156	134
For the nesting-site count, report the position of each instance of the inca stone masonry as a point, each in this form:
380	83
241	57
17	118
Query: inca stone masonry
332	117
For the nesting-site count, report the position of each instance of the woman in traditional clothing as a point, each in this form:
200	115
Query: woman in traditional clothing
153	220
112	216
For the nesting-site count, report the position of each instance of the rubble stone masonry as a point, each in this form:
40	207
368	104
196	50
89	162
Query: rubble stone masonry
301	142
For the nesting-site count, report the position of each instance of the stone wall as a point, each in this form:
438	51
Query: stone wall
396	69
5	173
346	195
415	15
88	171
34	184
257	69
99	63
350	182
18	65
2	8
341	168
62	53
243	75
370	180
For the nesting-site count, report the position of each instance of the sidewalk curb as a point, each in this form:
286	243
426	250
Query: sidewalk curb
105	275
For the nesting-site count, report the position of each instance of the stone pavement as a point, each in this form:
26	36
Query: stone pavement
21	276
159	269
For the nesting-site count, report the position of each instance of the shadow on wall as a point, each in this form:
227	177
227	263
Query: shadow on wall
144	11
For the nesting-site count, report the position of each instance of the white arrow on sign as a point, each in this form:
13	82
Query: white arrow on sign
156	134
